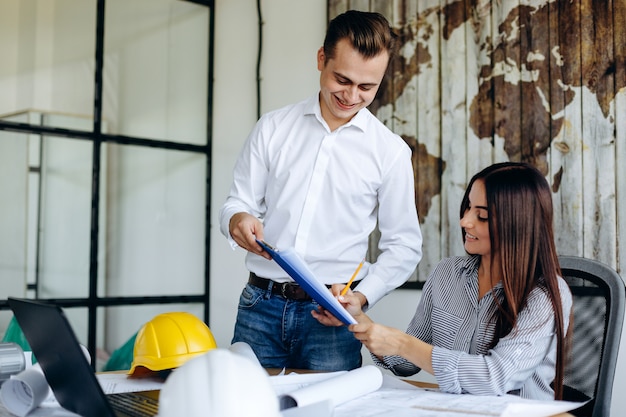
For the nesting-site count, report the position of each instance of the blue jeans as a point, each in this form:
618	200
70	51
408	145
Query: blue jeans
283	334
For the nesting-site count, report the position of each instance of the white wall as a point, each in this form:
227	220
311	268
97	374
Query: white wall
293	31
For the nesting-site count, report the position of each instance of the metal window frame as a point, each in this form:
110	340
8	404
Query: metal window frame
92	302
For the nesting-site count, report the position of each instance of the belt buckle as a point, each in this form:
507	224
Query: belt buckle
283	287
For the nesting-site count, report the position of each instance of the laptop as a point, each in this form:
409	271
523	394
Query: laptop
66	368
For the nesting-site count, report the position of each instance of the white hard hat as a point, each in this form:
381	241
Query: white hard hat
242	348
219	383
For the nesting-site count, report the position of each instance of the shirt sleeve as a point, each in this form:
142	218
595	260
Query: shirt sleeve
419	327
515	359
400	242
249	178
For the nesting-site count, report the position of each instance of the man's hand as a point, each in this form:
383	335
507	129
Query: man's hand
244	228
352	301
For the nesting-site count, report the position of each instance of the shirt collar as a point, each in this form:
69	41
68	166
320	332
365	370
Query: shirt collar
471	262
470	266
359	120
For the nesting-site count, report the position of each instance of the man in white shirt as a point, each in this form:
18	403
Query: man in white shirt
319	176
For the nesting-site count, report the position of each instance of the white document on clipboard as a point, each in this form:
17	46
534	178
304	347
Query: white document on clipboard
297	269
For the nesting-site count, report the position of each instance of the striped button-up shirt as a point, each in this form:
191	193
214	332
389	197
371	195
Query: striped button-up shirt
452	318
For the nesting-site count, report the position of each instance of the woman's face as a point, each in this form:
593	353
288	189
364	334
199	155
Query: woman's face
475	221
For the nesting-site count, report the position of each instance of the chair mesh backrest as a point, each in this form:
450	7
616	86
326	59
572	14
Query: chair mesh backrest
598	315
589	321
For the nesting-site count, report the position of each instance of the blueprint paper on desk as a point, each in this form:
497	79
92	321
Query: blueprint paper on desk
117	383
362	393
337	389
317	394
285	383
297	269
398	398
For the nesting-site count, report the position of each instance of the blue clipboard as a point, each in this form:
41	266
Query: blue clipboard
297	269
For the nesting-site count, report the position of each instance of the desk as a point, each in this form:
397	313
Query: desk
419	384
429	385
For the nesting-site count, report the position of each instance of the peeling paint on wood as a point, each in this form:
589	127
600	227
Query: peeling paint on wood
478	82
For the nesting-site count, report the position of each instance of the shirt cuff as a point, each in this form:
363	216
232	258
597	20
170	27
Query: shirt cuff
231	242
446	369
372	288
365	306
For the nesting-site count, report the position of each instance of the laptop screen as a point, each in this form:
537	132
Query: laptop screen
61	358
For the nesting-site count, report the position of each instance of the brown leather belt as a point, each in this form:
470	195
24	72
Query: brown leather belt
288	290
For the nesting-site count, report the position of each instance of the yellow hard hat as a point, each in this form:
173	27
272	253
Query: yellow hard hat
169	340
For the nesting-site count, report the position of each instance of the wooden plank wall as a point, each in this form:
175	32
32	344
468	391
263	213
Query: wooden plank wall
483	81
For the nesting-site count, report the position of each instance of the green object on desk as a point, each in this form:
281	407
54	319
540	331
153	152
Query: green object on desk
15	335
122	357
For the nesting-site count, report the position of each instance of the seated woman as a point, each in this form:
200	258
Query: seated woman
494	321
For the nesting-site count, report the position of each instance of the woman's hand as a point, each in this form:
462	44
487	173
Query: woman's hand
386	341
379	339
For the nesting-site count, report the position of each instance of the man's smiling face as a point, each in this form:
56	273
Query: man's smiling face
348	82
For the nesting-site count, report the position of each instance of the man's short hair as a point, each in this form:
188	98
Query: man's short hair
368	32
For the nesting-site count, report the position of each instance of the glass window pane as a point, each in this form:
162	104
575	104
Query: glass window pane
155	69
46	197
79	319
48	50
65	218
155	221
14	213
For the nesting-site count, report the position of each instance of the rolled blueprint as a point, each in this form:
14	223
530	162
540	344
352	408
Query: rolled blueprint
12	360
27	390
337	390
23	392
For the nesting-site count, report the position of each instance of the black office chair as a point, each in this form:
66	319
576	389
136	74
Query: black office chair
598	293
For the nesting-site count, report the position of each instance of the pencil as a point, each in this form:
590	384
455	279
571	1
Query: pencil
358	268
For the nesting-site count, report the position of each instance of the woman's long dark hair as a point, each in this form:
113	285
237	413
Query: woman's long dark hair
519	203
